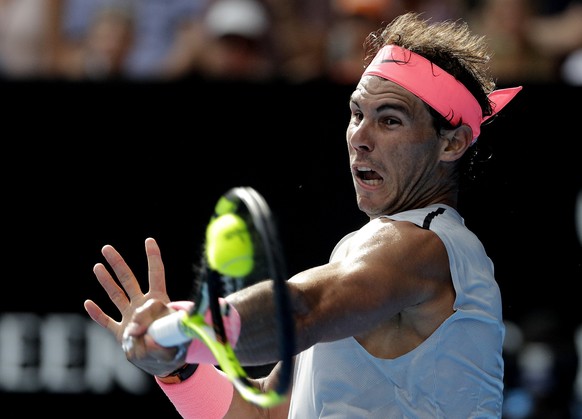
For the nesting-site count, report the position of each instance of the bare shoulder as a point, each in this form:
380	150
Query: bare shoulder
396	258
392	240
401	273
387	270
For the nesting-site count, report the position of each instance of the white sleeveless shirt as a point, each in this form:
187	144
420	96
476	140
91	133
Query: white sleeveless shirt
456	373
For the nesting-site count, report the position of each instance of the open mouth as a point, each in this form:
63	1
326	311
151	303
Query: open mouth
368	176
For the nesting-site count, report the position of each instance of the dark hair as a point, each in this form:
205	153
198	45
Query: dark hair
448	44
454	48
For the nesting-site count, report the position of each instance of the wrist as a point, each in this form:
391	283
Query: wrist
207	394
179	375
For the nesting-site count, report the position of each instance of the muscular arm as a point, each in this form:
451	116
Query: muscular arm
390	270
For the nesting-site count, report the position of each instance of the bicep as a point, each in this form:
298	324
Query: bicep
384	272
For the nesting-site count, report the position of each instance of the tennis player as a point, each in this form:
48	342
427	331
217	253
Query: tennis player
405	320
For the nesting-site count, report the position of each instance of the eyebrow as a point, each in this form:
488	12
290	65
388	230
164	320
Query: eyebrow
384	107
401	108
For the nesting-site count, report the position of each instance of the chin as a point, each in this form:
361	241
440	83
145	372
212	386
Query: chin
366	206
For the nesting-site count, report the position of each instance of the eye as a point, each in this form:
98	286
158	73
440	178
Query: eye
357	115
391	121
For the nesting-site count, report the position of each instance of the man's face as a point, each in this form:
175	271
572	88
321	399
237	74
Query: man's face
393	147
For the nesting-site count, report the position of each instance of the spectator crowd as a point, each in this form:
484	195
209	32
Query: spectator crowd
534	41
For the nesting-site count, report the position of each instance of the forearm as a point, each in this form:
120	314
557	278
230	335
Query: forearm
251	328
257	344
207	393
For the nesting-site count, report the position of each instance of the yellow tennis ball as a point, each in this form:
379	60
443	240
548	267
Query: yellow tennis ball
229	249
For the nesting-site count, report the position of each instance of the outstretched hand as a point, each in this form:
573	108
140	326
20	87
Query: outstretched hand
138	309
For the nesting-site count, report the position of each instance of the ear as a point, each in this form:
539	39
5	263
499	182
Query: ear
456	142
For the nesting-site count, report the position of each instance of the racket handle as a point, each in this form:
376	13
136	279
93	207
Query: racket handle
168	331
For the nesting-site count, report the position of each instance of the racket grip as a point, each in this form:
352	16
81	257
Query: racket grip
168	331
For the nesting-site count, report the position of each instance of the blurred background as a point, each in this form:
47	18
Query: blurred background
125	119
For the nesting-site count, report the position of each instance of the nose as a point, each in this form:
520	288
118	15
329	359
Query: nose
359	137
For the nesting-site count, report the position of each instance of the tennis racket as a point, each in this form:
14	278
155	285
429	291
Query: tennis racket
268	263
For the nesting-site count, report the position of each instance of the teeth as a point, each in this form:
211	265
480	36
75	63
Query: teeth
364	169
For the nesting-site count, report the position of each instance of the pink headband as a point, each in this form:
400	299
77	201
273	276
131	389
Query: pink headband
436	87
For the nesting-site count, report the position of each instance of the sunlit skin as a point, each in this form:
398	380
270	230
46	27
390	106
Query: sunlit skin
390	289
